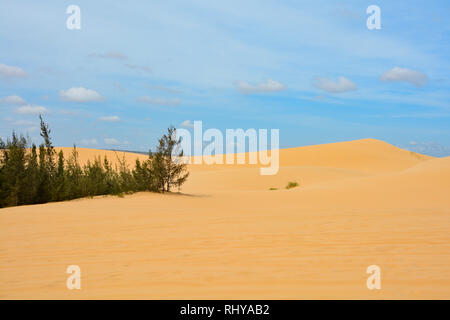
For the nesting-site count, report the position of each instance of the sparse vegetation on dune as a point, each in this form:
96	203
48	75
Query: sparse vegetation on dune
31	174
292	184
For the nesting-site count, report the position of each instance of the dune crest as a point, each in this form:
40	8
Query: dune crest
368	155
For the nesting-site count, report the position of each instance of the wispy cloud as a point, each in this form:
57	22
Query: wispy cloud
268	86
341	85
109	55
111	141
431	148
23	123
12	71
80	95
31	109
119	86
89	142
412	116
14	100
67	112
163	88
159	101
138	68
398	74
110	118
187	124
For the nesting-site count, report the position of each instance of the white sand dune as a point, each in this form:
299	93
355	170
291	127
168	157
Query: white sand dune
227	236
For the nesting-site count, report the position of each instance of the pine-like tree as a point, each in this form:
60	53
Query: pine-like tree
32	173
59	180
13	180
168	167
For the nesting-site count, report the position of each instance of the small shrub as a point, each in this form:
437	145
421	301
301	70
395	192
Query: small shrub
273	188
292	184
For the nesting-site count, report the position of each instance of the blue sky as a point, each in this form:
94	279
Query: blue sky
309	68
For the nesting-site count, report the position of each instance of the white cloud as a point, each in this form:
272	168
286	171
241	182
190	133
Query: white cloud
31	109
80	95
342	85
12	72
414	77
187	124
110	118
15	100
89	142
159	101
109	55
268	86
111	141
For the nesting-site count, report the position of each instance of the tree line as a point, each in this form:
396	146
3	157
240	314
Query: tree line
31	174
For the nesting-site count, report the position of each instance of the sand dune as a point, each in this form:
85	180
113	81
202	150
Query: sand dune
309	165
228	236
85	154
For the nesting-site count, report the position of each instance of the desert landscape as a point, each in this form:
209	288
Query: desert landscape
231	233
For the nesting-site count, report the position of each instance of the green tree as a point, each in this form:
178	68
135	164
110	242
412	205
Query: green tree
167	164
74	176
32	174
145	177
59	192
13	175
